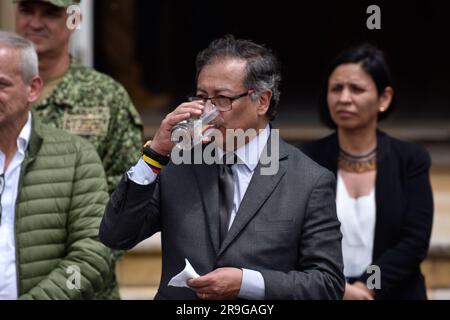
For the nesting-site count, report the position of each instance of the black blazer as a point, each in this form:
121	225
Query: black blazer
404	211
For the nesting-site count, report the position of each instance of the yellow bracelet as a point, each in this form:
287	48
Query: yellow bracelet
152	162
155	166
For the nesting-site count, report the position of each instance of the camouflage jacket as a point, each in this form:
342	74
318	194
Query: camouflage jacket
92	105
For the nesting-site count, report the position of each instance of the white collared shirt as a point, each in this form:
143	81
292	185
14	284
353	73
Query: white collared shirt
357	217
8	273
252	286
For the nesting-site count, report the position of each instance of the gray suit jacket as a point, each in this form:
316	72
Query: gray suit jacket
286	226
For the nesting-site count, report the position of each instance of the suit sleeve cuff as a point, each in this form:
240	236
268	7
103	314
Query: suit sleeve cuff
141	173
252	287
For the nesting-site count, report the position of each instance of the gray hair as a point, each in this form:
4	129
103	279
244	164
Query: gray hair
263	69
29	60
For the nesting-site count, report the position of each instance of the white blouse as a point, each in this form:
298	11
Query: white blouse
357	217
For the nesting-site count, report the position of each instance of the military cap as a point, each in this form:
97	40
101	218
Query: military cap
58	3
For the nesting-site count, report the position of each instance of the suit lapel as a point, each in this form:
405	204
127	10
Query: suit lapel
258	191
207	180
383	193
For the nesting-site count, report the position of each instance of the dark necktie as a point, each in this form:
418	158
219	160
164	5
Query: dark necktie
226	196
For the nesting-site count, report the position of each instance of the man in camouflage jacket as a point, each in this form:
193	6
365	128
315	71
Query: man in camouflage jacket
92	105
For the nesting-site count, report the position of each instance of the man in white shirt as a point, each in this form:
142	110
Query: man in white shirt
52	193
248	234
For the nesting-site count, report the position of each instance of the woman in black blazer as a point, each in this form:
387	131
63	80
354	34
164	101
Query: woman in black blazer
382	182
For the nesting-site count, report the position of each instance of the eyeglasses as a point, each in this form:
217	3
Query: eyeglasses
222	103
2	187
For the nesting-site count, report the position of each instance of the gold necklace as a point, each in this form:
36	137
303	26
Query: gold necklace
357	163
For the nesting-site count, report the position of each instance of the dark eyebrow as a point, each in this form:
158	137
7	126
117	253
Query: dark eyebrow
221	90
54	10
225	89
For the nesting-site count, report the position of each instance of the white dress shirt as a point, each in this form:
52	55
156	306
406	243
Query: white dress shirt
357	217
8	273
252	286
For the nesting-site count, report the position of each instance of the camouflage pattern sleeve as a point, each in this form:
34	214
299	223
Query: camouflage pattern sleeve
125	138
98	108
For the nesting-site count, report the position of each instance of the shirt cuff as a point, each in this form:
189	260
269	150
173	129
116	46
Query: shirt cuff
141	173
252	287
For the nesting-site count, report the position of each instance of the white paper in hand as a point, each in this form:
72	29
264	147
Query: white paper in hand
180	279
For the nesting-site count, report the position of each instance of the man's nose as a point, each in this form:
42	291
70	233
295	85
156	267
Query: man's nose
36	21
